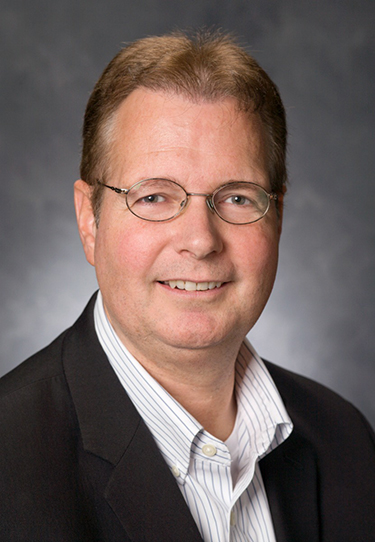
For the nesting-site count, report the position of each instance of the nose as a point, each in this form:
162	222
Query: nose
198	229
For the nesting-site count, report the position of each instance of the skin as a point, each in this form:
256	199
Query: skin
188	341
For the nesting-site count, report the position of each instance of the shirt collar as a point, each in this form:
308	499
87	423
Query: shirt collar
172	427
259	402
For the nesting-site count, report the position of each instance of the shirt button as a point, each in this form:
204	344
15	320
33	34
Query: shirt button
175	471
209	450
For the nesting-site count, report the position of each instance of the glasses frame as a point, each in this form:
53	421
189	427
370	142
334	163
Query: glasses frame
271	196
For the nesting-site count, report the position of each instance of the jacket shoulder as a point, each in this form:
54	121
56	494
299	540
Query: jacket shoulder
317	410
48	362
43	365
329	455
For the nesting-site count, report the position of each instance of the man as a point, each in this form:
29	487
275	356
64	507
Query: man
152	418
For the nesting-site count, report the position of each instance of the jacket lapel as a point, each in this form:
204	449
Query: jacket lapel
290	474
145	497
291	481
140	489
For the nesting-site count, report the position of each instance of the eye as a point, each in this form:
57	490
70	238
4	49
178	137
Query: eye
238	199
151	198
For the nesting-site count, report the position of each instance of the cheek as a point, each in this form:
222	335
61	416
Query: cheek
269	252
258	266
259	251
124	251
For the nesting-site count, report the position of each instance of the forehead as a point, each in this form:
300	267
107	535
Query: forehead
152	128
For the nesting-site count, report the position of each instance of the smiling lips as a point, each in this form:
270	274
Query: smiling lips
192	286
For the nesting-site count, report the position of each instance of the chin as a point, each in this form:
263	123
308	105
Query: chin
199	335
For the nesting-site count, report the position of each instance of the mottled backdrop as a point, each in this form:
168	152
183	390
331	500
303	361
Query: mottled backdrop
320	320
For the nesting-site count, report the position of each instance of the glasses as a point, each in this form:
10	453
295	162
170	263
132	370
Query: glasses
160	200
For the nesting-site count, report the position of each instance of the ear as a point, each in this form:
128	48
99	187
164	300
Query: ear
280	207
85	218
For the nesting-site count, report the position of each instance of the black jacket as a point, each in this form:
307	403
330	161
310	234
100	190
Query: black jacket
78	464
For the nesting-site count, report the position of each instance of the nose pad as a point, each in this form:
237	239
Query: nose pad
210	205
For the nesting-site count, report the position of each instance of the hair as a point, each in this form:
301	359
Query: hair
208	66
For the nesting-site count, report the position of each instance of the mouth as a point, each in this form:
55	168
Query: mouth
192	286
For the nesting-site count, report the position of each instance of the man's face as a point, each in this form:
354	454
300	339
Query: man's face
201	146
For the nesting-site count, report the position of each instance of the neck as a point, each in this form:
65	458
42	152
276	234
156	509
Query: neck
202	381
211	400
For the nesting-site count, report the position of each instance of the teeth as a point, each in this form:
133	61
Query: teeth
193	286
190	286
203	285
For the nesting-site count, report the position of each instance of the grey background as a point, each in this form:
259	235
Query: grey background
320	319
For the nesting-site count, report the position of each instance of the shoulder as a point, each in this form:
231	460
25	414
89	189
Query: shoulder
33	397
47	364
329	455
40	446
318	412
43	365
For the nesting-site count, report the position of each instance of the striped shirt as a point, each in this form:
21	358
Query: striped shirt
220	481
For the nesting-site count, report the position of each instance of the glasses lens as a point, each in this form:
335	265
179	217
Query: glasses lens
241	203
156	199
